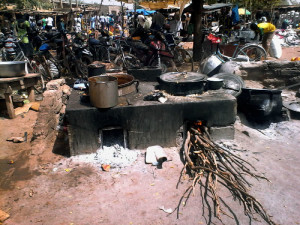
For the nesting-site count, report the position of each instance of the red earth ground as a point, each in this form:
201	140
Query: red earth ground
40	187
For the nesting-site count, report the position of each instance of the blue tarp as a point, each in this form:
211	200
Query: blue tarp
144	11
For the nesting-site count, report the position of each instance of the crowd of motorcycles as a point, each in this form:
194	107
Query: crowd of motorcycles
55	54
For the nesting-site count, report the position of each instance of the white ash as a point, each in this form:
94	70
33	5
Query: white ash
115	156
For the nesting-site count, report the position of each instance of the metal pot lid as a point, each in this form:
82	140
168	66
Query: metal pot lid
184	77
233	84
293	106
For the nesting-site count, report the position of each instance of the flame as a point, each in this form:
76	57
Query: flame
198	123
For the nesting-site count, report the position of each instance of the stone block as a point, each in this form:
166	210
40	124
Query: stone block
55	84
63	110
282	64
66	90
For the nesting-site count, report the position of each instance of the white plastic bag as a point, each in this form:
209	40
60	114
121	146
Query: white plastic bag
275	48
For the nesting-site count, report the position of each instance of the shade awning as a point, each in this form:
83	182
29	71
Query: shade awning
165	4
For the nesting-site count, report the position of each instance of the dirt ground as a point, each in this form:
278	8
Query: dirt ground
40	187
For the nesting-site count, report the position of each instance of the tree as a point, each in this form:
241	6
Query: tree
197	16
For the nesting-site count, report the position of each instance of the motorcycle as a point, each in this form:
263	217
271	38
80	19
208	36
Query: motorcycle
151	49
100	47
74	55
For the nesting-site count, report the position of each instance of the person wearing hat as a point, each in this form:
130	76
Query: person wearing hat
266	32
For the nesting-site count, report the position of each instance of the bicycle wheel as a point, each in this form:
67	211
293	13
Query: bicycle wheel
183	60
129	61
254	52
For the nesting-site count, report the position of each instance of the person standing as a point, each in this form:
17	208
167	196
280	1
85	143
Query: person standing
93	20
23	28
266	33
61	25
107	21
102	21
158	21
44	23
49	23
141	20
77	21
97	21
111	23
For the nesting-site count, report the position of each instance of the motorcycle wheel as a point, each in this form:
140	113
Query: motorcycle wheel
167	64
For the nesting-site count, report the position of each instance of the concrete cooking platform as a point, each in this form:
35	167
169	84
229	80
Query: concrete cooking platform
146	123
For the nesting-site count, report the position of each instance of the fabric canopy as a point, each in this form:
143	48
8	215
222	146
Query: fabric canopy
144	11
243	11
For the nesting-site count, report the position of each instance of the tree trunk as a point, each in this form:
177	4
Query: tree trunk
197	14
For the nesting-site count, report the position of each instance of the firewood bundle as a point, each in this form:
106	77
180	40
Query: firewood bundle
210	165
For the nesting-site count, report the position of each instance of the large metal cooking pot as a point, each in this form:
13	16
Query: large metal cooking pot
260	103
211	65
96	69
12	69
186	83
103	91
126	83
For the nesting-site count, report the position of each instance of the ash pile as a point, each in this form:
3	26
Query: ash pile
115	156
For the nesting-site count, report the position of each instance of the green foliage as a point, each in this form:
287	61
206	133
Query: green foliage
259	4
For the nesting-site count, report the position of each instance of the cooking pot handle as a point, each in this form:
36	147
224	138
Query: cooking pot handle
136	85
86	87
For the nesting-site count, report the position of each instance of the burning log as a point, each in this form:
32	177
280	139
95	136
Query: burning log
210	164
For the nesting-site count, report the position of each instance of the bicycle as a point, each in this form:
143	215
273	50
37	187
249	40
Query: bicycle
252	51
182	58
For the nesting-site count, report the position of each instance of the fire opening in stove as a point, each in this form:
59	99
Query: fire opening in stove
110	136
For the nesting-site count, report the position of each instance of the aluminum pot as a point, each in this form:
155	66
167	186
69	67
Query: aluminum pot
211	65
214	83
12	69
103	91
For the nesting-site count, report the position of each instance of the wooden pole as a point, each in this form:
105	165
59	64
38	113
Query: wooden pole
100	6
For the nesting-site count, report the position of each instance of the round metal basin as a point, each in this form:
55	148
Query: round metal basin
12	69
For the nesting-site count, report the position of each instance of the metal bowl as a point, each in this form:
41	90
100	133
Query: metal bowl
12	69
